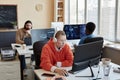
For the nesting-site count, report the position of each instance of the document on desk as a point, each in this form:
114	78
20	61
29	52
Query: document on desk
82	74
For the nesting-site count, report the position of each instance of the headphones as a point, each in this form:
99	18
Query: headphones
54	38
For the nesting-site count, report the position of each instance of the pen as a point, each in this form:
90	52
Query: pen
89	76
96	78
119	68
82	76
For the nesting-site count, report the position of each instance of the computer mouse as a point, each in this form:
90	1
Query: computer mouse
67	75
30	48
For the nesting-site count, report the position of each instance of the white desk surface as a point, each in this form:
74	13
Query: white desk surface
22	51
85	72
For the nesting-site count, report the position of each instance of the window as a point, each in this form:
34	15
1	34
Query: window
118	26
107	22
104	13
77	11
81	11
73	10
92	13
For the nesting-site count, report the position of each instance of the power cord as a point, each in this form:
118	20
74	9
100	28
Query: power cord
98	71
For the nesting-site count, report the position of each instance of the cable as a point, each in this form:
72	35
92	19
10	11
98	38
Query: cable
97	74
98	71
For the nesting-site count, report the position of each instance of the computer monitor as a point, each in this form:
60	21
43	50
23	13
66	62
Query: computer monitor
42	34
86	55
57	26
28	41
74	31
6	38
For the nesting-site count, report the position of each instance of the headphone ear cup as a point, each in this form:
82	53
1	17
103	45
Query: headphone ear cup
55	40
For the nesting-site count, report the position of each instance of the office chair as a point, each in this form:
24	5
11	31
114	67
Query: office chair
37	48
94	39
88	40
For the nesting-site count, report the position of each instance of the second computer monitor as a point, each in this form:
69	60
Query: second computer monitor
74	31
42	34
86	55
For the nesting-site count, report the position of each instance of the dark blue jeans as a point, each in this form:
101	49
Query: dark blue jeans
23	63
32	57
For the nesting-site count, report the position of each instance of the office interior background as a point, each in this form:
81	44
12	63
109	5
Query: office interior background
104	13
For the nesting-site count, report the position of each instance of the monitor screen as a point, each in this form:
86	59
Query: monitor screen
28	41
74	31
57	26
6	38
42	34
87	54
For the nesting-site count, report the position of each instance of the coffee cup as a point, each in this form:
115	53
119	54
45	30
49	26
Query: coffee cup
106	61
23	46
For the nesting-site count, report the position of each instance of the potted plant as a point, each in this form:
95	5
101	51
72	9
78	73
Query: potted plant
14	23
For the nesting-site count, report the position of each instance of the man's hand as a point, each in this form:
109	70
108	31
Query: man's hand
28	31
74	45
60	71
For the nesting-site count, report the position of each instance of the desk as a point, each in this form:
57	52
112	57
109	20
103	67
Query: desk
85	72
22	52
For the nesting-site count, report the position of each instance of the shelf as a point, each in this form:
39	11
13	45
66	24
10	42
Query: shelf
60	5
60	19
60	0
59	10
59	15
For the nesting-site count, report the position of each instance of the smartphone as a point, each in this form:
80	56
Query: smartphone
48	74
58	79
17	46
72	72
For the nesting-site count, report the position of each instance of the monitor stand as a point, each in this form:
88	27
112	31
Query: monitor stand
74	72
92	74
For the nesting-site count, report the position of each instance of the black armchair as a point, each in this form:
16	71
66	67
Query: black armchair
93	39
37	48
